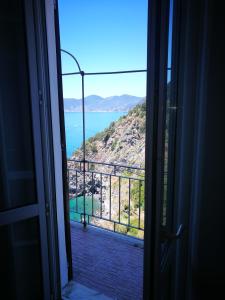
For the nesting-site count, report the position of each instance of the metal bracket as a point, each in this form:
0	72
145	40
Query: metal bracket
170	236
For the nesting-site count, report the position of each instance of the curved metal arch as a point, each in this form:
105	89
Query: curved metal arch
74	58
84	135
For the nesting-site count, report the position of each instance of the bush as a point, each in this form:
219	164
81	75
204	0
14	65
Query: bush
94	148
142	128
114	143
139	110
135	194
106	138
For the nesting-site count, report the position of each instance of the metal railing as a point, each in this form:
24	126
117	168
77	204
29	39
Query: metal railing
82	175
110	197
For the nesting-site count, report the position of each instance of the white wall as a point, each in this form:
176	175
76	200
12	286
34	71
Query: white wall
49	6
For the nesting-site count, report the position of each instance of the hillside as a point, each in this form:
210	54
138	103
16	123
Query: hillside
96	103
123	142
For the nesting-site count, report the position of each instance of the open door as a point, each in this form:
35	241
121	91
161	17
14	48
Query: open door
24	212
162	232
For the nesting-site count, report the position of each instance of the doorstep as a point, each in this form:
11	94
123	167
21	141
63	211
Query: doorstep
76	291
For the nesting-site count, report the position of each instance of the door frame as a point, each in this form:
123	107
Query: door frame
36	105
157	54
63	144
43	83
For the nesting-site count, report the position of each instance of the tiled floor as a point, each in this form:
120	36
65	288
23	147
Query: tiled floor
108	263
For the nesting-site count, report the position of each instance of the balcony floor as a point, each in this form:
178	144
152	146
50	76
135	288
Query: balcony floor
107	262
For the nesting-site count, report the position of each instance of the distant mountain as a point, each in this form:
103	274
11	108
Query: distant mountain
96	103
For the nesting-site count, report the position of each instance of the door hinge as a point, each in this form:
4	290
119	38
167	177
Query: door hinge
47	209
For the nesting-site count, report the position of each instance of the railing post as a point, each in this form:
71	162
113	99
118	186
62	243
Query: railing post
110	197
101	194
119	196
129	203
139	204
84	150
76	193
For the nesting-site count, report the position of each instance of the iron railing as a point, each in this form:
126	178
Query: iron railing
82	174
110	197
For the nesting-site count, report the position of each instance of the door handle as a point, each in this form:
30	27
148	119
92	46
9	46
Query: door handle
170	236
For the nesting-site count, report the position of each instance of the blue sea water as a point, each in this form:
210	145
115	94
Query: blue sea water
95	122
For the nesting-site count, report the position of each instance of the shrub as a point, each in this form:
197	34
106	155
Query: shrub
142	127
135	193
114	143
94	148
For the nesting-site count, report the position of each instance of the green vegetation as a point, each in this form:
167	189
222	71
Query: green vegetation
137	197
114	143
137	191
103	135
139	110
94	148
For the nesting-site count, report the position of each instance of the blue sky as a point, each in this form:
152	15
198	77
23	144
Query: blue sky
104	35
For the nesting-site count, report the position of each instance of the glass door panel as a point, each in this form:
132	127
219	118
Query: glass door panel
16	148
20	259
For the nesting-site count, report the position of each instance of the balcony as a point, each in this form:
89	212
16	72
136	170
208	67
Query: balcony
107	227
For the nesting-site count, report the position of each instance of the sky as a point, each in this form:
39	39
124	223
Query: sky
104	35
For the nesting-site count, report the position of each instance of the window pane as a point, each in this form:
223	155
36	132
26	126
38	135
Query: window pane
20	261
16	145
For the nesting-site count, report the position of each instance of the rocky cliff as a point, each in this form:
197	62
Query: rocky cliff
110	187
123	142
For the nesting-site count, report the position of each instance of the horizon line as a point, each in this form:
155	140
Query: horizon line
91	95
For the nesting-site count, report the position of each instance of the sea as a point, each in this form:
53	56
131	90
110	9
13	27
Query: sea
94	122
